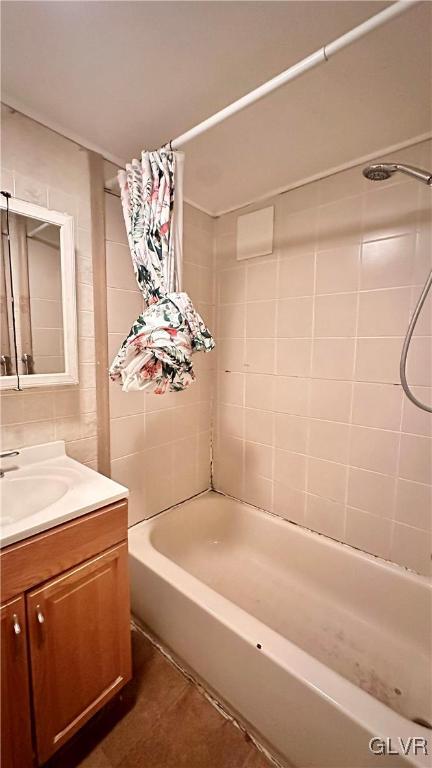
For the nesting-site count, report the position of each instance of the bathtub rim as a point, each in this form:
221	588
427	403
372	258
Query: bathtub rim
368	713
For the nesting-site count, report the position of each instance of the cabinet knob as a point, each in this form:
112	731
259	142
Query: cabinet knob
16	625
39	615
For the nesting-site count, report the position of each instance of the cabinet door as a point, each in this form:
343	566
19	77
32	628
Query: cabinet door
16	745
79	628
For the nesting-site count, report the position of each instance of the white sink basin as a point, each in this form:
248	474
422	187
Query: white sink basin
23	496
42	487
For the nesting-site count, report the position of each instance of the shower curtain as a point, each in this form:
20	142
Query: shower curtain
157	353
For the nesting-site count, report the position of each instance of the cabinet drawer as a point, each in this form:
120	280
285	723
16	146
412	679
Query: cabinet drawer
79	631
30	562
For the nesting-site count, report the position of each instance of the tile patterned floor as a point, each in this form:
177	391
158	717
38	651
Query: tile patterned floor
161	720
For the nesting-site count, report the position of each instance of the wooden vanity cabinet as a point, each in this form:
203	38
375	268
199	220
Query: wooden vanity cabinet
73	650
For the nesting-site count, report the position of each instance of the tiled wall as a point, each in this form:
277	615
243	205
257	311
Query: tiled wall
311	420
42	167
160	445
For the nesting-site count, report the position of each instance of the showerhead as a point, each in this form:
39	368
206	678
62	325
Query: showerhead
379	172
382	171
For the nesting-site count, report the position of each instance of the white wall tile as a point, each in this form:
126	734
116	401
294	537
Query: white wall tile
372	492
127	435
377	405
230	388
419	362
259	392
387	263
296	275
231	321
330	399
416	458
329	440
258	460
339	223
289	503
291	395
325	516
327	479
123	308
335	315
259	356
384	312
337	269
333	358
115	229
293	357
291	432
414	504
411	547
120	273
377	360
231	286
258	491
374	449
260	319
259	426
368	532
290	469
261	281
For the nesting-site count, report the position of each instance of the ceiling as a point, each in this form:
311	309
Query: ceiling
122	76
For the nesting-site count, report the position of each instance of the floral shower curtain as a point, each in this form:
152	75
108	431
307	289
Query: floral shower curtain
157	353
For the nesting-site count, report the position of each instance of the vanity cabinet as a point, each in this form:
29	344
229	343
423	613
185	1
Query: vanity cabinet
75	624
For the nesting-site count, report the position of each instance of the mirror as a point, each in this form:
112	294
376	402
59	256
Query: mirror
38	339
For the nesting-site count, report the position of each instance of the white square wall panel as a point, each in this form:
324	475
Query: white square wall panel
255	233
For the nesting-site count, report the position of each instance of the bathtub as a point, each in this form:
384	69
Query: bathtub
316	647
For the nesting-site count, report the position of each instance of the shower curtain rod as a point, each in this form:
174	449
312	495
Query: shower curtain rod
318	57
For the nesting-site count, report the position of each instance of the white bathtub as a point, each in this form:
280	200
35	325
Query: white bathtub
316	646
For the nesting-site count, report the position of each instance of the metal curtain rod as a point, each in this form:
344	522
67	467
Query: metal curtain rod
323	54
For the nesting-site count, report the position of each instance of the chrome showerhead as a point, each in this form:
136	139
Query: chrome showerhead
379	171
382	171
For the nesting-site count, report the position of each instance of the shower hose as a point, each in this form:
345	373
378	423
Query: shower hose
406	346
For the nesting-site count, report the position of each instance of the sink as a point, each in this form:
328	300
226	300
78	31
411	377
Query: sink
42	487
23	496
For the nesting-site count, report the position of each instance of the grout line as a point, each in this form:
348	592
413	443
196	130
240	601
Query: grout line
352	337
244	268
119	242
351	408
160	445
214	386
327	421
398	475
308	384
273	394
323	378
